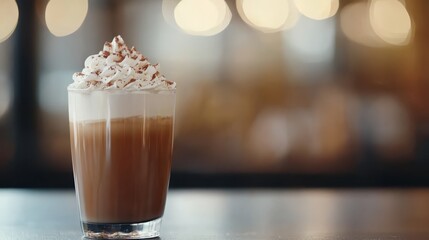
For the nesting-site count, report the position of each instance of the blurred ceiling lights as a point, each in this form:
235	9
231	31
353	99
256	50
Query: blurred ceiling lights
8	18
374	23
355	25
377	23
317	9
212	17
292	20
64	17
391	21
266	16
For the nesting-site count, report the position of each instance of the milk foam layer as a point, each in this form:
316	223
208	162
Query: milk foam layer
119	67
108	105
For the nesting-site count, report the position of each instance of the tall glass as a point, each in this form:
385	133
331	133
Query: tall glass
121	145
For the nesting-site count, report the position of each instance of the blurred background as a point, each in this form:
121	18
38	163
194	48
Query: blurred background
271	93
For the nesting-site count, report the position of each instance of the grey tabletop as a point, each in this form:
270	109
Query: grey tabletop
237	214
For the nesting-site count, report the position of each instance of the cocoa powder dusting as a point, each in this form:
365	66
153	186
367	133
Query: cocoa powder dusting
106	54
131	81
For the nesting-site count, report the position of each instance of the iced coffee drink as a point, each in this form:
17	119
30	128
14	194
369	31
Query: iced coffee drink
121	112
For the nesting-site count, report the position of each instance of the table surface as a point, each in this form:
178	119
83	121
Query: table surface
237	214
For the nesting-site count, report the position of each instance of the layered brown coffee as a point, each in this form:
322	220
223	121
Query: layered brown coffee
122	168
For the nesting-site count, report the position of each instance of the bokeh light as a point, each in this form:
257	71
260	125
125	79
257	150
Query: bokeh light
224	19
292	19
317	9
391	21
9	14
64	17
266	16
211	17
221	26
355	24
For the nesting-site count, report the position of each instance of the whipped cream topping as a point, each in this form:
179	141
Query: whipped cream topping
119	67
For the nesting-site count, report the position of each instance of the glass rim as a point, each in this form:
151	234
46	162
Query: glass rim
123	91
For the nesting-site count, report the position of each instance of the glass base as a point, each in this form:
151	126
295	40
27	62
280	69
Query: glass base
141	230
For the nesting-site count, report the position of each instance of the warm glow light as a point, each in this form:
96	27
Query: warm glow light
292	19
202	17
8	18
355	25
226	19
391	21
267	16
63	17
317	9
